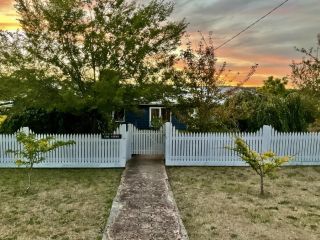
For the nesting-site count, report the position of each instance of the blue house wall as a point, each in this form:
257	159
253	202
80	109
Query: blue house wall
140	118
177	124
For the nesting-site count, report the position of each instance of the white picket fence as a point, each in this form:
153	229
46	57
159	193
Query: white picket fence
180	148
146	142
209	149
89	151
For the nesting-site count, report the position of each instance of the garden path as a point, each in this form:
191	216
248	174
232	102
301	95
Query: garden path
144	207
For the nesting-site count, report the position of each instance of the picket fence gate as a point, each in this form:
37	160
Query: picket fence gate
211	149
146	142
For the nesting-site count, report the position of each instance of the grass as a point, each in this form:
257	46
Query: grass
63	204
224	203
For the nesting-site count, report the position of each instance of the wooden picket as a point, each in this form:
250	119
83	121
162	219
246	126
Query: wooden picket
180	148
210	149
89	151
146	142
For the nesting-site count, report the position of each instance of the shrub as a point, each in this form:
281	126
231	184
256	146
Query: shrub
33	151
262	163
157	123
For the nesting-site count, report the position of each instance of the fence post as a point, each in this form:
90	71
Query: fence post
25	130
266	138
129	141
123	145
168	137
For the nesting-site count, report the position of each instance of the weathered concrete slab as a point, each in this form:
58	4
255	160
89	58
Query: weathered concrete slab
144	207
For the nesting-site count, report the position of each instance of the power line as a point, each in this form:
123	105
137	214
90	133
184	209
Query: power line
252	24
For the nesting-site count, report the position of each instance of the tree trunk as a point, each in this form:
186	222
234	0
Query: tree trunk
29	178
261	185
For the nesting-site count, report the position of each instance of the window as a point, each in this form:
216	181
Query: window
165	115
119	116
160	112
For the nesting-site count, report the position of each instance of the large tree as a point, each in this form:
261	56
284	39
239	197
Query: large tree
86	55
306	73
306	76
202	83
272	104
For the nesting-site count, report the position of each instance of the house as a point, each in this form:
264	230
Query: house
144	115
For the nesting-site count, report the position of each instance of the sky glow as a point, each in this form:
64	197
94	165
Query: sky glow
270	43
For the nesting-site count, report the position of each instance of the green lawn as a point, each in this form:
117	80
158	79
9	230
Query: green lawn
223	203
62	204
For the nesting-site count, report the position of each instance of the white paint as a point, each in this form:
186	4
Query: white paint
180	148
146	142
209	149
90	151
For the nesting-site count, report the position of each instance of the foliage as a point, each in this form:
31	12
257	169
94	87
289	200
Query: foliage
285	109
275	86
262	163
157	123
73	56
41	121
201	82
315	126
2	119
306	74
33	150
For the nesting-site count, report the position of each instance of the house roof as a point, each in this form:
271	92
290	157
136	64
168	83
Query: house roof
174	101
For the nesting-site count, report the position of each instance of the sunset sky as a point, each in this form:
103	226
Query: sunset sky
270	43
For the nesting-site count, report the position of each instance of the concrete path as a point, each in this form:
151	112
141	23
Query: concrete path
144	207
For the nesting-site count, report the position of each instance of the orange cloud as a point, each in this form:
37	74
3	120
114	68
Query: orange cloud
239	59
8	16
6	3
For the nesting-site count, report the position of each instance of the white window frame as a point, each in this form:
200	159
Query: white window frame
160	113
124	117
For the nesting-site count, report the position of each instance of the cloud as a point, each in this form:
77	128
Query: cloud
9	25
270	43
5	4
10	15
7	15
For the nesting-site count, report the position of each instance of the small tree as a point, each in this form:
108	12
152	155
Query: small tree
262	163
33	151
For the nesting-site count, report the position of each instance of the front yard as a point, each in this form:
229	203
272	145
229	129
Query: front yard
224	203
62	204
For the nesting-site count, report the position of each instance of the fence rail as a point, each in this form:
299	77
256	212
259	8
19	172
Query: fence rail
180	148
209	149
89	151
